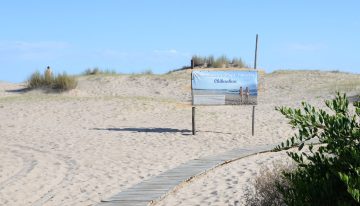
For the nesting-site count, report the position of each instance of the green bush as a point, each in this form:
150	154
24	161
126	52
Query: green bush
61	82
330	174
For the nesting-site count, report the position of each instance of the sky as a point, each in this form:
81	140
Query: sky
132	36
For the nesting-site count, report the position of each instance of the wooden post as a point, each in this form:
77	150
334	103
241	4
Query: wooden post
241	95
255	64
256	47
193	121
192	101
253	121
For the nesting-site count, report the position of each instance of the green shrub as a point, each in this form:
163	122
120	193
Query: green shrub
329	175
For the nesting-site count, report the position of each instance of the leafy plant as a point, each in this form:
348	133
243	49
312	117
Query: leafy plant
330	174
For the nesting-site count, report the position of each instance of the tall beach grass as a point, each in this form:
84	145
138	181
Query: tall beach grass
97	71
60	82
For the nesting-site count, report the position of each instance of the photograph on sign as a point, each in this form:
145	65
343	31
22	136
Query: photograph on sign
225	87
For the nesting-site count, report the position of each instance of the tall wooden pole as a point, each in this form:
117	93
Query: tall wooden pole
253	109
192	101
256	48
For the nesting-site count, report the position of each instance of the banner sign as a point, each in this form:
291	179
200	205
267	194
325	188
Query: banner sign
226	87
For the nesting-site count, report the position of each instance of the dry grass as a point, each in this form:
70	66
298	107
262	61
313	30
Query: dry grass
61	82
220	62
266	192
97	71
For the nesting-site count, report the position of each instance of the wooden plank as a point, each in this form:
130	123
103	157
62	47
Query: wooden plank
125	203
154	188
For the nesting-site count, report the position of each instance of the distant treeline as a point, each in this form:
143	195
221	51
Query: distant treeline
220	62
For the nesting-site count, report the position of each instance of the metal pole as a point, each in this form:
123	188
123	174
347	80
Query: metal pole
193	121
256	47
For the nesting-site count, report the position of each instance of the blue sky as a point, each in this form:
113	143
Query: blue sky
132	35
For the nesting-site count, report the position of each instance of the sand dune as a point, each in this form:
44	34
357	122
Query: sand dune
112	132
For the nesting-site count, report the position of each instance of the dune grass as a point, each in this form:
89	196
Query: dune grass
97	71
219	62
60	82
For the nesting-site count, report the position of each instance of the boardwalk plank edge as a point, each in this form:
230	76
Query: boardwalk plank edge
155	189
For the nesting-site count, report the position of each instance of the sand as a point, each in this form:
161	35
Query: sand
225	185
112	132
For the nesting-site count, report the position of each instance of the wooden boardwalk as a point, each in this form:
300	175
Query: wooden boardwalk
155	188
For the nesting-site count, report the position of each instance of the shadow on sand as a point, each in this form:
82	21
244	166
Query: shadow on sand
146	130
23	90
354	98
156	130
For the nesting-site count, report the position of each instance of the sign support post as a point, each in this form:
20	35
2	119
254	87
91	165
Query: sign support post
193	108
253	110
193	121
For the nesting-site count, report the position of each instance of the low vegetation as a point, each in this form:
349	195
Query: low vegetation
265	186
147	72
97	71
60	82
329	174
220	62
